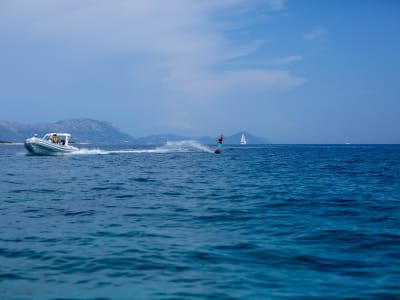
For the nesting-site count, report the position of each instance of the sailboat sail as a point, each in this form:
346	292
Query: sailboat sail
243	140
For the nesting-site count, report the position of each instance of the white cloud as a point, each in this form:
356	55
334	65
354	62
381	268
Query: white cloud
178	39
314	34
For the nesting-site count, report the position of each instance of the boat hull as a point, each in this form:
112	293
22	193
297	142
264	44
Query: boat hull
39	146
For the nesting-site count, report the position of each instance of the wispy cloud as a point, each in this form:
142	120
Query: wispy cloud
314	34
205	84
179	36
276	4
181	45
245	50
285	60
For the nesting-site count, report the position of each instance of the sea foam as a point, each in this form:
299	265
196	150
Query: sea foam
169	147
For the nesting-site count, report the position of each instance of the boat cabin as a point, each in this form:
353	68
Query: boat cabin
59	138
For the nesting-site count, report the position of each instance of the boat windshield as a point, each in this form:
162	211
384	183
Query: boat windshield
59	138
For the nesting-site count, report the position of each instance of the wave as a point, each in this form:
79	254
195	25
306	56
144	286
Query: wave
169	147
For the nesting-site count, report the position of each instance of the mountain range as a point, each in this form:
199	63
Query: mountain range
102	132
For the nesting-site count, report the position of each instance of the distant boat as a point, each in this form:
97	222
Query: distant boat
243	140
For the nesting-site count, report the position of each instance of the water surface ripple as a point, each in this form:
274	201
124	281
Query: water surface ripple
179	222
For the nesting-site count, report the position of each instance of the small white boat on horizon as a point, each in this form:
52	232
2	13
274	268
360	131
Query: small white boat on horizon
243	140
50	144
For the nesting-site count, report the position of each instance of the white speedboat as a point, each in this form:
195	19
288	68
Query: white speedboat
50	144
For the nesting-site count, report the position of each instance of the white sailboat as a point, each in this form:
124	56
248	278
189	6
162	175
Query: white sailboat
243	140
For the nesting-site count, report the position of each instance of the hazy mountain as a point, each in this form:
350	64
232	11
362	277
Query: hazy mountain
10	131
160	139
251	139
101	132
231	139
82	130
163	138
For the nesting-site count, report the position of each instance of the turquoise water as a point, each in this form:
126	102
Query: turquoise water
179	222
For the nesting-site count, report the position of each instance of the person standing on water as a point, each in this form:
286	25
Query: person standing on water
220	141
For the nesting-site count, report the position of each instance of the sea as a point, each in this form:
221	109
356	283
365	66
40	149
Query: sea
177	221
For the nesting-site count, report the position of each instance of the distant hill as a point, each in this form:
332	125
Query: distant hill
82	130
251	139
231	139
161	139
101	132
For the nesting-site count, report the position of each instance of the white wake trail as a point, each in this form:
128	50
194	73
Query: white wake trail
184	146
169	147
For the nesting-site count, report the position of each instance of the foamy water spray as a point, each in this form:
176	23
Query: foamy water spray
169	147
184	146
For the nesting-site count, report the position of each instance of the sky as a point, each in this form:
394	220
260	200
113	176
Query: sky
290	71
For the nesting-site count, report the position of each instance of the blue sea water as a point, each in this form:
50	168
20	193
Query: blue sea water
180	222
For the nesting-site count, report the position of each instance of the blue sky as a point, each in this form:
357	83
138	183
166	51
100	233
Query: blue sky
290	71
